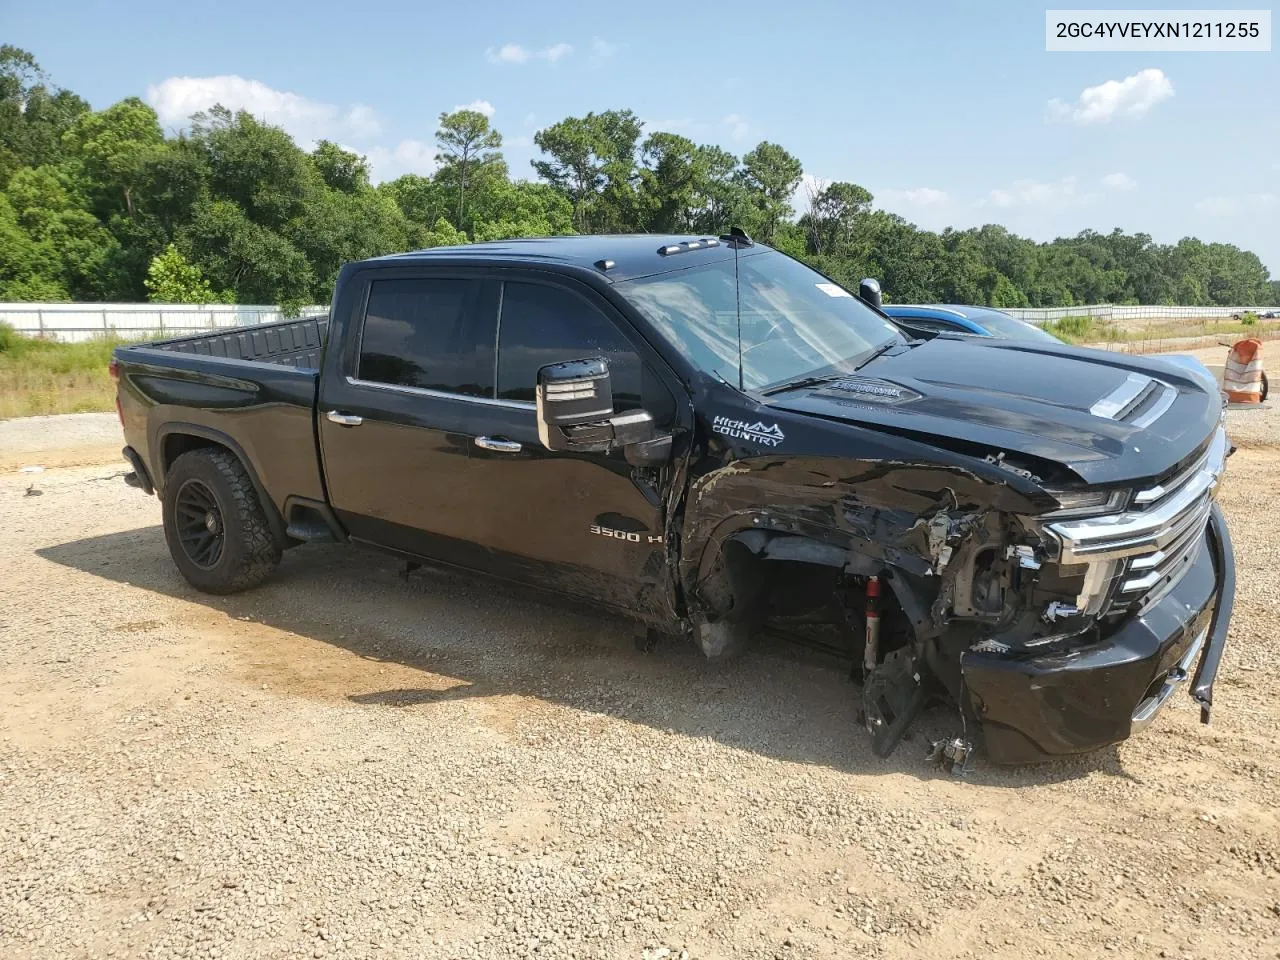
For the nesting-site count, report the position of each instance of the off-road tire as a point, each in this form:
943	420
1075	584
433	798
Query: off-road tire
248	552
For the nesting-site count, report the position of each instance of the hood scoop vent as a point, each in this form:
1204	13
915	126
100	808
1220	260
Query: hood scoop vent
1140	401
867	390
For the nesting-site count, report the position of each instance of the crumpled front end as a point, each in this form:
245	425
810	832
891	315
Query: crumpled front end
1157	581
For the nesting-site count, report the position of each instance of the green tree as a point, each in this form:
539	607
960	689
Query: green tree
718	196
443	234
468	152
251	260
340	169
73	248
770	175
505	210
669	182
113	145
33	114
337	228
256	166
171	279
592	161
832	220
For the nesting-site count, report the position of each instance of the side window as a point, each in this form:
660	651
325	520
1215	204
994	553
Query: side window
543	324
424	332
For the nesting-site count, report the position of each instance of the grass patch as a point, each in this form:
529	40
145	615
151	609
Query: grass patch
47	376
1084	329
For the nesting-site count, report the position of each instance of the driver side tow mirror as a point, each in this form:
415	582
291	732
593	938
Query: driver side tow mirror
575	414
869	291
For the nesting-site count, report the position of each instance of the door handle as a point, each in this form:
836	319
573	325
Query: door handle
346	419
501	446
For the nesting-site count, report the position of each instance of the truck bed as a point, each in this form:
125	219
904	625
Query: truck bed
290	343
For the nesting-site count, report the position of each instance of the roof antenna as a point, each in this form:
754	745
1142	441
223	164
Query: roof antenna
737	238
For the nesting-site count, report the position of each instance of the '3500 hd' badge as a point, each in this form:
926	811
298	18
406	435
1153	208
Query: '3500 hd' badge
767	435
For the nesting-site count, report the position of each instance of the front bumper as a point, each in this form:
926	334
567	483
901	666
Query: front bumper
1041	707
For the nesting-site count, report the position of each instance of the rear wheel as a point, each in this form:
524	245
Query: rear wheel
215	525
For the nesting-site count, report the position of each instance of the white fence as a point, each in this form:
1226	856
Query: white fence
1120	314
83	321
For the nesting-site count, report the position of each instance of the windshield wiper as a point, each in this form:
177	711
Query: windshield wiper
798	383
876	351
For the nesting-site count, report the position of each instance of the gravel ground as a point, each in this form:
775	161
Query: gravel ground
346	763
62	441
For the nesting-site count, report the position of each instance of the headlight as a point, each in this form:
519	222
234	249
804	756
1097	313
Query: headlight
1086	503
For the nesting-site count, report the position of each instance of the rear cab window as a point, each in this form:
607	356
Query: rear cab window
430	333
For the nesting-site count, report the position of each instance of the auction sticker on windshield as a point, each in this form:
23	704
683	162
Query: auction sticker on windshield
833	290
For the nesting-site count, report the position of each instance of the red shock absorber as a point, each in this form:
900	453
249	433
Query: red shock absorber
871	651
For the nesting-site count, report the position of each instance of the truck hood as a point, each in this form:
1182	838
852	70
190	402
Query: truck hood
1109	418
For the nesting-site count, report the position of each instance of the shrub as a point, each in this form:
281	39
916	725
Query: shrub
1249	318
1075	328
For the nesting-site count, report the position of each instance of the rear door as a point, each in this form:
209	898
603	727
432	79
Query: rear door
400	409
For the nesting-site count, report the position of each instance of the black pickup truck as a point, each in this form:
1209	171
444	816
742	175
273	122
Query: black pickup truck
713	438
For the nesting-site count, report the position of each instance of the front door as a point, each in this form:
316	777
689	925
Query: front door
581	523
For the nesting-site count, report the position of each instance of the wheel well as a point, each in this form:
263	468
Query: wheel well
176	444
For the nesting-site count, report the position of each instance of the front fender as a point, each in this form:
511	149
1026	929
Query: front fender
879	509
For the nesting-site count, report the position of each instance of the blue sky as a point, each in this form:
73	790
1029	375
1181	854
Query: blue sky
949	113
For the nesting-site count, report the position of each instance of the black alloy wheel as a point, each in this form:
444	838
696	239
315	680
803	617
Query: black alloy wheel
201	528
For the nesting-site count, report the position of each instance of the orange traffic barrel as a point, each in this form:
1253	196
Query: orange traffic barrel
1243	378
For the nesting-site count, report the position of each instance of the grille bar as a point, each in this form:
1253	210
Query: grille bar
1152	543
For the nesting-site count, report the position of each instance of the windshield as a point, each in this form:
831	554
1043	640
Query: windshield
794	321
1003	325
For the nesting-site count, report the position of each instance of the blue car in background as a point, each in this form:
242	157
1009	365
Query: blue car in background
976	321
926	321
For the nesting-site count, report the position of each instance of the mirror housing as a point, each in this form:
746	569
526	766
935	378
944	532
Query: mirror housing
575	413
573	394
869	290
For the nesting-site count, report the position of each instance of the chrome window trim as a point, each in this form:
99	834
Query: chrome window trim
441	394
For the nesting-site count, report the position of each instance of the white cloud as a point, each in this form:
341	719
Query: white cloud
738	126
1230	206
515	53
1054	195
1119	181
1131	97
916	198
479	106
601	50
307	120
408	156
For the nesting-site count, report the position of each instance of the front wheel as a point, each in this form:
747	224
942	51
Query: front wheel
215	525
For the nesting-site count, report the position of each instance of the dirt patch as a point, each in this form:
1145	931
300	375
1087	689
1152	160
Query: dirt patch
346	762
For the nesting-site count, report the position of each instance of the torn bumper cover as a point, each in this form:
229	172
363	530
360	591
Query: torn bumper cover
1035	708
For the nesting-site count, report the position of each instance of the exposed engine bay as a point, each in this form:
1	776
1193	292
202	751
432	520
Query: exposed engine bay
921	604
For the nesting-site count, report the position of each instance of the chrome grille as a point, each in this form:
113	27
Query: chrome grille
1137	556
